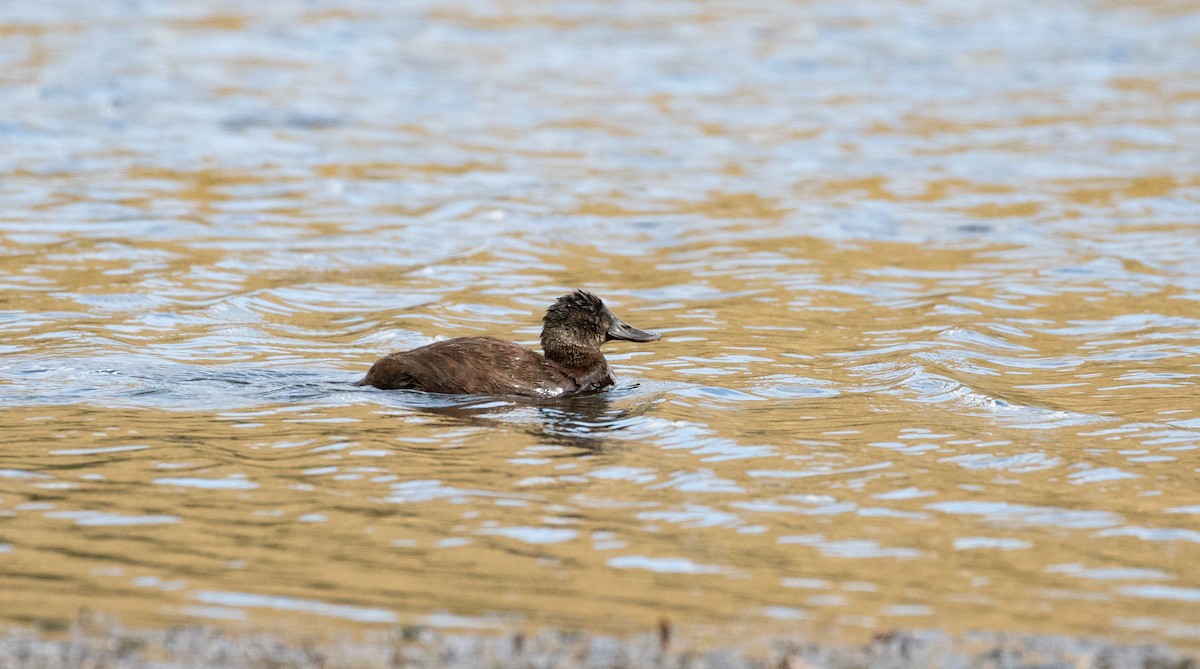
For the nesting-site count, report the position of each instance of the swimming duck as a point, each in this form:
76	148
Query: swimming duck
573	329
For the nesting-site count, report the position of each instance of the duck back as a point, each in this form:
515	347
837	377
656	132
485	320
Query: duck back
472	365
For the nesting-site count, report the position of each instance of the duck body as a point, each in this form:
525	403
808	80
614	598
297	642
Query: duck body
573	330
482	366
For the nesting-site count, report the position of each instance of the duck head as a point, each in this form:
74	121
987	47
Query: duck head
575	326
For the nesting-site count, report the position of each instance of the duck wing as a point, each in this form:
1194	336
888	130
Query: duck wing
471	365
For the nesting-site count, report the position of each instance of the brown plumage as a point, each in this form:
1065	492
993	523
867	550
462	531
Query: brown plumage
572	332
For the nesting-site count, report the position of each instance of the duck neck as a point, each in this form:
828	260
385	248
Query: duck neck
570	353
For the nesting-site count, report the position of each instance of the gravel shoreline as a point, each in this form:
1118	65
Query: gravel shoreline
109	646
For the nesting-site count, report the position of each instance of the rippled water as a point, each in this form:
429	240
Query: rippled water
926	273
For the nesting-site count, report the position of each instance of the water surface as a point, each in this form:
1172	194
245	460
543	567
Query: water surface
926	275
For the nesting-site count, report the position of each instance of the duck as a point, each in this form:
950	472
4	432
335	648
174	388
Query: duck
571	363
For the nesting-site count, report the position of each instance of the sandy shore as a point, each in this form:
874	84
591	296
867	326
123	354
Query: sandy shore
108	646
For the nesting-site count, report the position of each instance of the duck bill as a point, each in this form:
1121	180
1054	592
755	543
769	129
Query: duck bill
626	332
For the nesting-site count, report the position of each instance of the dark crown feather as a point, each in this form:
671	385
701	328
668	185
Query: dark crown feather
578	299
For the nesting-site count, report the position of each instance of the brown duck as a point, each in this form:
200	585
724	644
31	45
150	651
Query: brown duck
573	330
